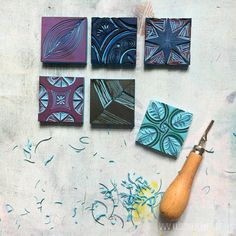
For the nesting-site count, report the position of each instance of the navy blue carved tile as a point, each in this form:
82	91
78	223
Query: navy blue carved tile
114	41
112	103
164	128
167	41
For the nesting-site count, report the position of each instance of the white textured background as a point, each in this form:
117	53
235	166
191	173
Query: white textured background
207	89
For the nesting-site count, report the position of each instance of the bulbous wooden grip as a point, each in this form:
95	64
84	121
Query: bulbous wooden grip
176	196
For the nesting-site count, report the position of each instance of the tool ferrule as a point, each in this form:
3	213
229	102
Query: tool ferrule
198	149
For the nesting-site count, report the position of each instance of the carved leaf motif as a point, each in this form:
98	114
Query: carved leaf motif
156	111
171	145
181	120
147	135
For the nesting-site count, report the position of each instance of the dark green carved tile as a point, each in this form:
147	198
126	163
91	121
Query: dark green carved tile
164	128
112	103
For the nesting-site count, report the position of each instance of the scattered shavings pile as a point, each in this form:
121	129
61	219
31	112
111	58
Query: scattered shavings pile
139	198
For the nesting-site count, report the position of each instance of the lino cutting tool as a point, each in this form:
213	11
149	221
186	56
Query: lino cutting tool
177	195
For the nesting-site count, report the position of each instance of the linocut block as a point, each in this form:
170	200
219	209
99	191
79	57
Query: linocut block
64	40
114	41
167	41
112	103
164	128
61	99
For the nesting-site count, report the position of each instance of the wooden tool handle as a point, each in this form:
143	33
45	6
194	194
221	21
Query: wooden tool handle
176	196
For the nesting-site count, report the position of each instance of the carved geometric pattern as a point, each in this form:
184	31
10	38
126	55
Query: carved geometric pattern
167	41
112	103
61	99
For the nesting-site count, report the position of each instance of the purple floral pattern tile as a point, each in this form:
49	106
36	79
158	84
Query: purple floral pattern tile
61	99
64	40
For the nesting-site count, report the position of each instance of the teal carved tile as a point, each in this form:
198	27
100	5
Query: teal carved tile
164	128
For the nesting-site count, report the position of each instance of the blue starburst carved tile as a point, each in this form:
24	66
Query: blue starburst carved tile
61	99
64	40
167	41
164	128
114	41
112	103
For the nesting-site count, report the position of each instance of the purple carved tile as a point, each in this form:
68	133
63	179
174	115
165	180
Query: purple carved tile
64	40
61	99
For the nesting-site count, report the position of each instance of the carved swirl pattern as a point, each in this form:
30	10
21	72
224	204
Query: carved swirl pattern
64	39
114	41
